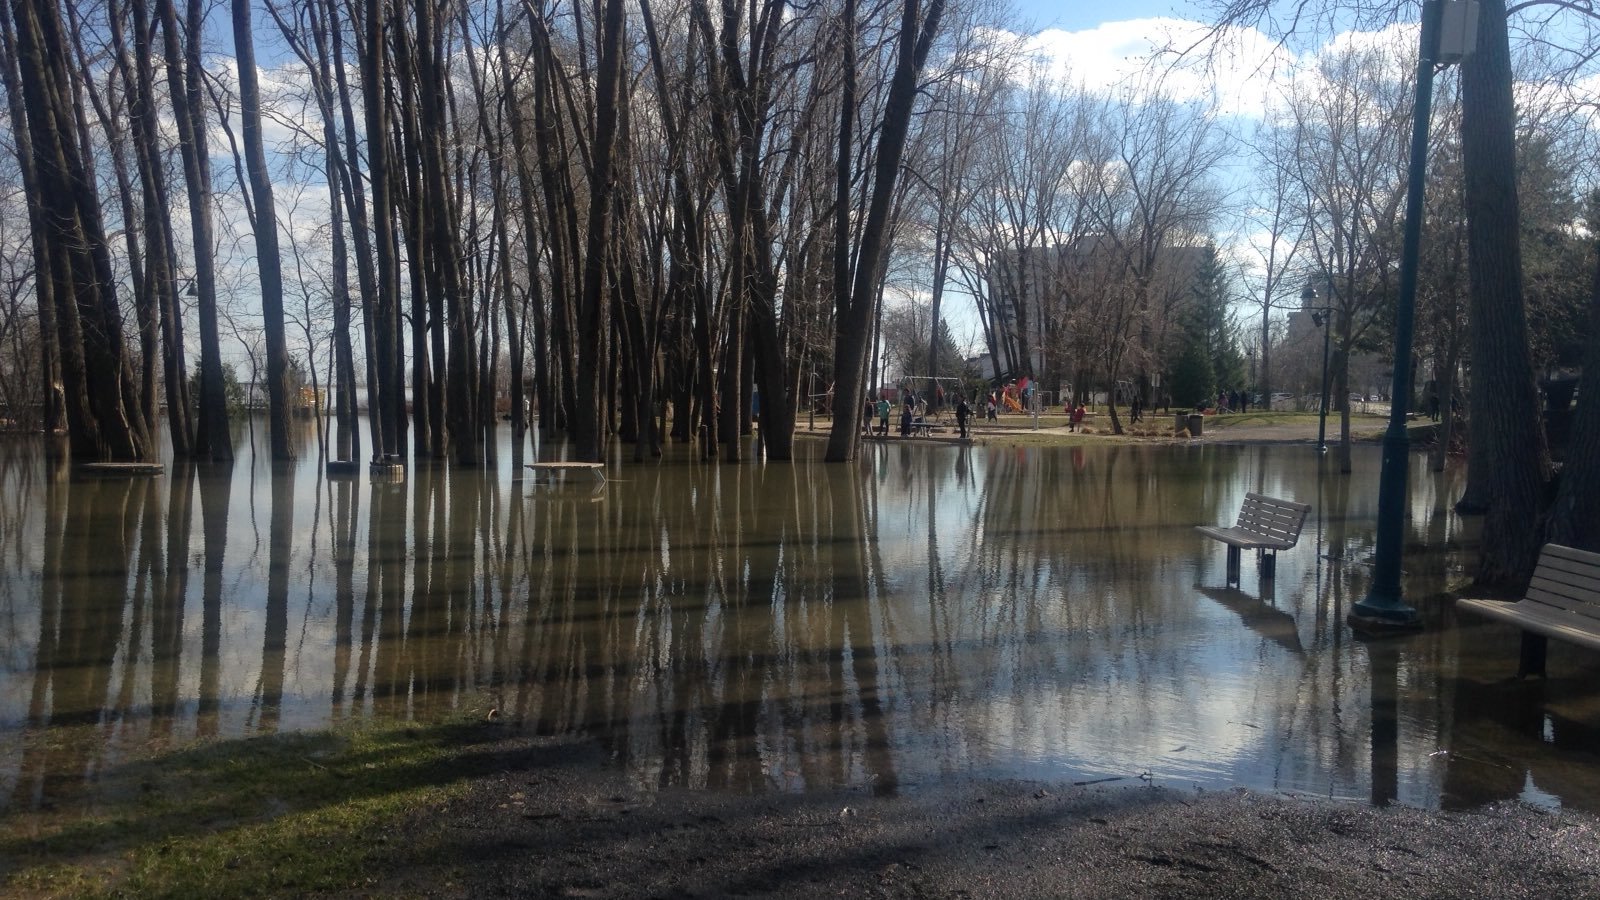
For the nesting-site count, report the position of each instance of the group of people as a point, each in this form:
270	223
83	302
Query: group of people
1075	414
913	411
1233	401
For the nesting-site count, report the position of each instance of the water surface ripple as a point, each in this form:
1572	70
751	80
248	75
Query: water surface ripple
929	614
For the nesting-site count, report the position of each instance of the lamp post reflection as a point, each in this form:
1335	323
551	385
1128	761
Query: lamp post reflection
1383	658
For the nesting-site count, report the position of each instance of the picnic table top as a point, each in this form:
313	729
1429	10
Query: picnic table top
598	470
122	468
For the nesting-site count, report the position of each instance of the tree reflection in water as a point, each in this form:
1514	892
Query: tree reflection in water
933	612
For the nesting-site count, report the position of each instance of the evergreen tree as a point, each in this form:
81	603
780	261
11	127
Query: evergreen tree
1192	375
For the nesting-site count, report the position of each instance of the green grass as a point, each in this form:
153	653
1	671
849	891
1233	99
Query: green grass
283	815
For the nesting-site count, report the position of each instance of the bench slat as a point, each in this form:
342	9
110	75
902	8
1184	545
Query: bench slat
1561	626
1582	582
1555	552
1566	584
1581	606
1265	523
1245	539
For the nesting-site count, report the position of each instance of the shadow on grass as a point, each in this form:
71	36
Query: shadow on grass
249	816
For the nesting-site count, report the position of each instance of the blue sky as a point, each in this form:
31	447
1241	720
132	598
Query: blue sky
1069	15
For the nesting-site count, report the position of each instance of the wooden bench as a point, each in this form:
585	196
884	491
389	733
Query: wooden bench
1266	525
1562	602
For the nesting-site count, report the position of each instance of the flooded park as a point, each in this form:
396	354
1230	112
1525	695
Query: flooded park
931	614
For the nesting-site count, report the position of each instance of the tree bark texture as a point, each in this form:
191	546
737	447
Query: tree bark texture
104	421
1505	421
855	310
269	265
1575	518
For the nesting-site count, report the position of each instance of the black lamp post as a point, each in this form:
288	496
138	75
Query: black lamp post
1322	317
1384	608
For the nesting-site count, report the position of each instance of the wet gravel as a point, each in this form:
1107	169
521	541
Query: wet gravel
549	820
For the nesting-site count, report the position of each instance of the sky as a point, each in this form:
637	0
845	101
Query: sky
1076	16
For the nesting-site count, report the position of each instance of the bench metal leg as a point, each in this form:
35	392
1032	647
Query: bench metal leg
1233	564
1269	564
1533	652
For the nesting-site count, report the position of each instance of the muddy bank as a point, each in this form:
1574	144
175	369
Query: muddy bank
553	822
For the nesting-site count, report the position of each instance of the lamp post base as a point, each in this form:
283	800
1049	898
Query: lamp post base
1382	615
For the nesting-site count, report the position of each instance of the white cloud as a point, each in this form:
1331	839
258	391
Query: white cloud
1185	60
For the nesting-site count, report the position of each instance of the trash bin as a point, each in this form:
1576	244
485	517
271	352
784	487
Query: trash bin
1180	421
1197	424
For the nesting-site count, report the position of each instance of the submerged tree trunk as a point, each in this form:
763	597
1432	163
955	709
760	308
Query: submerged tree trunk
1505	423
212	441
389	366
593	360
269	265
855	296
103	418
161	248
54	412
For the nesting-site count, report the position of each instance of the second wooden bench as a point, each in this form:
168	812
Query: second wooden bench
1266	525
1562	602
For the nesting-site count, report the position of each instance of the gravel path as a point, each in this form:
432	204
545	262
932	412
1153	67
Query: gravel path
553	823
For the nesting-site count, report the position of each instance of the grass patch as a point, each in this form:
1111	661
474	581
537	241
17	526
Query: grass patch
288	814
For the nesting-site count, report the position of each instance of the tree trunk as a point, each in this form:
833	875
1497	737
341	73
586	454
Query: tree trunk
162	254
1575	518
212	440
591	332
103	418
1505	407
268	262
389	367
356	205
54	412
855	298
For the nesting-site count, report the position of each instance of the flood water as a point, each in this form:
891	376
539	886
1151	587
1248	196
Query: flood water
927	615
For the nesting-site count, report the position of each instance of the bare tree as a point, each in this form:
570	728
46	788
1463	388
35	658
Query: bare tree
268	263
857	286
186	93
1351	128
1152	192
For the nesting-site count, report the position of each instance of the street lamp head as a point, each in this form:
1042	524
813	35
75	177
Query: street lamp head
1316	318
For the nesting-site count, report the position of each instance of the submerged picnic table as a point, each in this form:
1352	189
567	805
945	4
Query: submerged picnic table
551	468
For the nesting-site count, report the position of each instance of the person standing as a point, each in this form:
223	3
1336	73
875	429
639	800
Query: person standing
963	413
905	420
883	416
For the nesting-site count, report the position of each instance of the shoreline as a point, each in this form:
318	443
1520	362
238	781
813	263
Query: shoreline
578	829
1243	429
474	808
